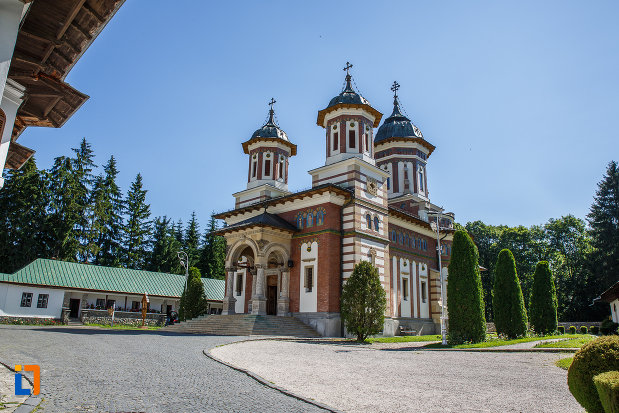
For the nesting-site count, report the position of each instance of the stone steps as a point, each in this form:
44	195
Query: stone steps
243	325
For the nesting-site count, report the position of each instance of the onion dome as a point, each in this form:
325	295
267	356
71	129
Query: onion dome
348	99
397	125
270	129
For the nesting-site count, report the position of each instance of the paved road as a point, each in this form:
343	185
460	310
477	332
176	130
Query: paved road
96	370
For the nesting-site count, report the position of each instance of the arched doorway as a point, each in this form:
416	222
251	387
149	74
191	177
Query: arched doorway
275	262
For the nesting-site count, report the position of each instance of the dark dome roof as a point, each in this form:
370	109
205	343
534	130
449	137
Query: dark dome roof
348	95
270	130
397	125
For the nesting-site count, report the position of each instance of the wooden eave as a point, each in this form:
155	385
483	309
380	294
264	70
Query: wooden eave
17	156
52	38
611	294
286	198
292	146
420	141
226	230
323	113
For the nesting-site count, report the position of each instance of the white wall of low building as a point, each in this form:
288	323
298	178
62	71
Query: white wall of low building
11	297
614	310
308	300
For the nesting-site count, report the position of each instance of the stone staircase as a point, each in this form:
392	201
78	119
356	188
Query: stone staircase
243	325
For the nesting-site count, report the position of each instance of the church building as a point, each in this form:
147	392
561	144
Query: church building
290	253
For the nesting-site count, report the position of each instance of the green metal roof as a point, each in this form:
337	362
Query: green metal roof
93	277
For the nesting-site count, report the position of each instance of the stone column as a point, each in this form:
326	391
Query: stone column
229	300
283	303
259	301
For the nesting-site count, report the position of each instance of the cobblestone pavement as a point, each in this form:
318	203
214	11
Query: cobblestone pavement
97	370
8	401
359	378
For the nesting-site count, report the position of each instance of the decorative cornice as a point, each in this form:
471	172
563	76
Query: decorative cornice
323	113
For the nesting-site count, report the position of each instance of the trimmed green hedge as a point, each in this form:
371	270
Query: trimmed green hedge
594	330
599	356
561	329
608	327
465	299
583	329
572	330
607	385
510	315
543	305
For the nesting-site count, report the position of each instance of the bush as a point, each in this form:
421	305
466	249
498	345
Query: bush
594	330
598	356
363	302
465	301
608	327
510	316
543	305
561	330
572	330
583	329
607	385
193	301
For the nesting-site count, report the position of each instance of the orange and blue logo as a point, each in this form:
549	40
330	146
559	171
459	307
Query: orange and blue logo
36	387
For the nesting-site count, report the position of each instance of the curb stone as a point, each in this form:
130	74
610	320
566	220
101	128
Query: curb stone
31	403
265	382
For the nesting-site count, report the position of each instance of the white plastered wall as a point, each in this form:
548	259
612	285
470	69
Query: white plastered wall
405	274
423	278
11	295
308	300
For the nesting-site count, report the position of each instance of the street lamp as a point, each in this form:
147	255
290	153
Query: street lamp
439	249
184	259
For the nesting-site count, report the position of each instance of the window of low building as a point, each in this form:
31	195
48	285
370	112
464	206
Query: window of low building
424	295
42	300
135	305
26	300
100	303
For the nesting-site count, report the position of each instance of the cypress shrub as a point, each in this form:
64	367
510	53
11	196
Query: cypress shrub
598	356
510	315
594	330
583	329
363	302
465	301
572	330
561	329
543	306
607	385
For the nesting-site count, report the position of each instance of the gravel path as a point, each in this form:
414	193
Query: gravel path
103	370
360	378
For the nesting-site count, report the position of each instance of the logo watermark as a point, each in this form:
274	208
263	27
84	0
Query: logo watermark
36	387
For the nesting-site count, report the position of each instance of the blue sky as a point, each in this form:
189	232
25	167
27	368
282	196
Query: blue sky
520	98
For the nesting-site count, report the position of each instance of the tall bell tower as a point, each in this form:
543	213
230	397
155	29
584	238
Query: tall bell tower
269	152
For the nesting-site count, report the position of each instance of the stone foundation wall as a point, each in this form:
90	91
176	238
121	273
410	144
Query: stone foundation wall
90	316
30	320
567	324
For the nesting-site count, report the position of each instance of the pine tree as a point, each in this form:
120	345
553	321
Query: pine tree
137	229
178	231
192	241
111	236
23	217
193	300
213	254
82	166
510	315
604	223
465	303
164	255
543	306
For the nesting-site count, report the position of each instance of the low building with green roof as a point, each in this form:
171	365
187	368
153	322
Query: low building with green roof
47	288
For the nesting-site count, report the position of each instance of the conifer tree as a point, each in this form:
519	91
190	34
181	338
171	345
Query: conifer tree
178	231
193	300
604	223
23	217
465	303
137	229
110	238
510	315
192	240
213	254
543	306
164	255
82	166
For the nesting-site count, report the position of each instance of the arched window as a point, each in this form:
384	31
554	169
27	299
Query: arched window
368	219
310	219
401	238
376	226
393	236
421	179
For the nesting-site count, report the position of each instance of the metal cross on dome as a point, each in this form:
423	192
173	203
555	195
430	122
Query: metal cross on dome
272	102
347	68
395	88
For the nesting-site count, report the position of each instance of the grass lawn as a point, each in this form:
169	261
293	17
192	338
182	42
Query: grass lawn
404	339
564	363
120	327
569	343
494	341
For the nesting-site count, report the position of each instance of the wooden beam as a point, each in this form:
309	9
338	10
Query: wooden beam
70	18
94	13
86	34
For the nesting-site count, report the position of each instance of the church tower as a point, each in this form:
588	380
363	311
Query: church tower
402	152
269	151
349	121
